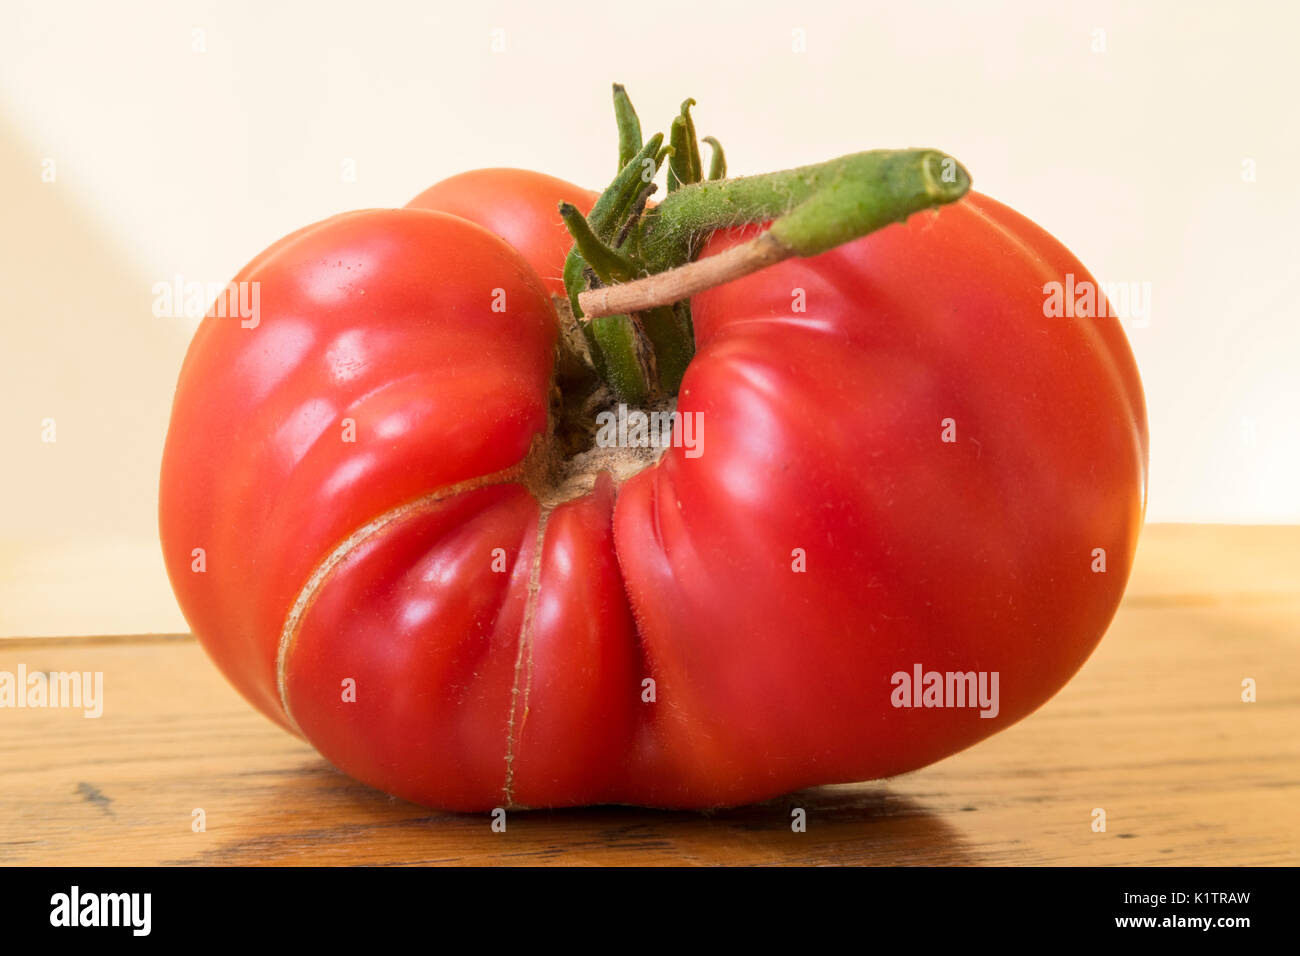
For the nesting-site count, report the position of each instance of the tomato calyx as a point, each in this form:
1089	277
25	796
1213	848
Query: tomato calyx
578	393
566	460
631	271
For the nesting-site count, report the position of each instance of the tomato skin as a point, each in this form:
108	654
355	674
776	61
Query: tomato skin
520	206
822	432
498	645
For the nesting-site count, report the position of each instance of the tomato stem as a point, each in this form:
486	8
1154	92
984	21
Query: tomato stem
717	161
608	263
630	274
684	166
814	208
629	126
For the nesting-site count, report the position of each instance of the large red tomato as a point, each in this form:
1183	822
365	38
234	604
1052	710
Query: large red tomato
917	468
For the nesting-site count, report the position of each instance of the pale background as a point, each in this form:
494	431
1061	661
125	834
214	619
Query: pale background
186	136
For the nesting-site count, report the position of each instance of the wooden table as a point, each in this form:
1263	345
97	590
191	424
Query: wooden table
1153	730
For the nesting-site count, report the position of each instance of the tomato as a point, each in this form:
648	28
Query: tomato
518	205
902	462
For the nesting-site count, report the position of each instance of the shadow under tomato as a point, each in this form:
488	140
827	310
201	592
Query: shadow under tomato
315	815
861	824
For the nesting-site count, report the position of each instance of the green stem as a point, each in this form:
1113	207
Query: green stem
613	340
679	156
608	214
718	159
692	142
621	242
622	357
811	208
684	165
669	331
629	126
608	264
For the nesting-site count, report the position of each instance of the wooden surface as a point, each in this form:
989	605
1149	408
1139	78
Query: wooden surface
1153	730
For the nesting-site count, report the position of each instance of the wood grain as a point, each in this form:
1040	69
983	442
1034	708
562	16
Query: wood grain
1153	730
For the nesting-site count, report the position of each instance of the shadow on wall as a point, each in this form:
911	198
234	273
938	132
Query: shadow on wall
86	378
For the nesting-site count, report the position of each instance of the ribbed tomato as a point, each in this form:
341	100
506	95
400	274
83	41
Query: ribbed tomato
903	462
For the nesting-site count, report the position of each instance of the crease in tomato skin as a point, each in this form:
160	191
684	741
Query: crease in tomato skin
344	551
525	640
347	630
584	703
